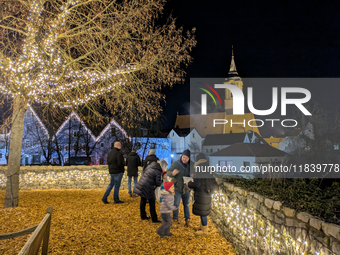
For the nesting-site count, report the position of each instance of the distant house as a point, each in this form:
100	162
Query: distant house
216	142
34	140
112	133
78	145
75	142
185	138
243	156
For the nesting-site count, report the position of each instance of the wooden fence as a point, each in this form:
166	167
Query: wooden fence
41	232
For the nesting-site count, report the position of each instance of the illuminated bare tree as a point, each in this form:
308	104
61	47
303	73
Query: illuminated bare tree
86	53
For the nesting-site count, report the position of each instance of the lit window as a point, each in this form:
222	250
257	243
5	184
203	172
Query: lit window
224	163
336	147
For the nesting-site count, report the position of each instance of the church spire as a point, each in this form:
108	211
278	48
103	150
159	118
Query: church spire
232	72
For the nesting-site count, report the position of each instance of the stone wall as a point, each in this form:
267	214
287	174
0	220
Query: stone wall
258	225
62	177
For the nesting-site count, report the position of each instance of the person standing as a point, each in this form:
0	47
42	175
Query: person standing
146	186
203	188
132	163
167	206
151	157
115	162
178	170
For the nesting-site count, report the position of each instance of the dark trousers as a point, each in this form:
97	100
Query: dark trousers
164	229
152	208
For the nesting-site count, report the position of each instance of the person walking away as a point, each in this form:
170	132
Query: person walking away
115	162
145	188
167	206
132	163
203	189
178	170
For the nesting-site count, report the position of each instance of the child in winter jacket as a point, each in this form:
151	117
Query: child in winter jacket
167	207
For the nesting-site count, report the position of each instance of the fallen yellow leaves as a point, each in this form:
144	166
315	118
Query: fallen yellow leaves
82	224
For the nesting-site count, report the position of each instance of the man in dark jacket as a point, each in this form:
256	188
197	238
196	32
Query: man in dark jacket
178	170
115	161
132	163
203	187
145	188
150	158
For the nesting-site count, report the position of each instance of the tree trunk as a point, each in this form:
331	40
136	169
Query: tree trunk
14	153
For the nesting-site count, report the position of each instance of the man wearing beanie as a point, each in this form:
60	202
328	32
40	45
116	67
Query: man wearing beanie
178	170
167	206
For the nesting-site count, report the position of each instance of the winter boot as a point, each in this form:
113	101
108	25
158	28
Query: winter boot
188	224
198	227
203	232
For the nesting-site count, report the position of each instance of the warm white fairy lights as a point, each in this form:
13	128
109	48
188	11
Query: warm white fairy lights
254	228
69	118
39	179
34	178
110	125
42	75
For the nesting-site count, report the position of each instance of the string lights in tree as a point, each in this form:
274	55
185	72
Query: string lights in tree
41	73
90	55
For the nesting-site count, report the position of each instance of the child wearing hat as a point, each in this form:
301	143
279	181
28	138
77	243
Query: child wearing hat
167	207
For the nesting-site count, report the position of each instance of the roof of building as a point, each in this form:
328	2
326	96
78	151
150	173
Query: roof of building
183	131
224	139
204	123
250	150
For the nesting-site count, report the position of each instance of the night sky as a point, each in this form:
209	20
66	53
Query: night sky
271	39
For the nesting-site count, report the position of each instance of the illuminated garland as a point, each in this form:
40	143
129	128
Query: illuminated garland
245	221
64	175
37	73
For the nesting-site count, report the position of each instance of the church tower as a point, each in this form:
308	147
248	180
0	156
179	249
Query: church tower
233	79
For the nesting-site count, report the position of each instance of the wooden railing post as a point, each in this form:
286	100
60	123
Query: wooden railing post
34	242
47	232
41	233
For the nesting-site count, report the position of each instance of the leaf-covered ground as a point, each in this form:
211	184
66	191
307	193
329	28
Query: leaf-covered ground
82	224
